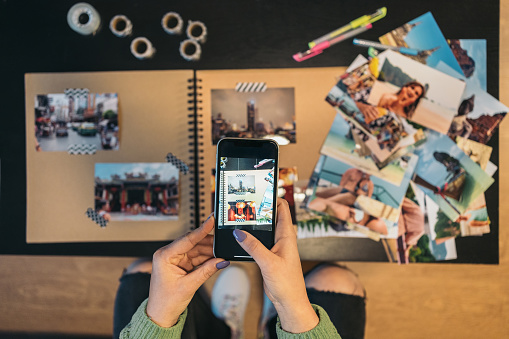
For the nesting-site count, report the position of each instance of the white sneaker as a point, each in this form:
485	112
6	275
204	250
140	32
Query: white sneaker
268	312
229	299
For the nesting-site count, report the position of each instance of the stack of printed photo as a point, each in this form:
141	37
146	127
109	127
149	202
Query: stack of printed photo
406	156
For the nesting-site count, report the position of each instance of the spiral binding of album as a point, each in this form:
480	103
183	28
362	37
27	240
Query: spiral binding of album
197	178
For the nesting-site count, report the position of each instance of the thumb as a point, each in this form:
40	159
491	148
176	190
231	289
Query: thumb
253	247
206	270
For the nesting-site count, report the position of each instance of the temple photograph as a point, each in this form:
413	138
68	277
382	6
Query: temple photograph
137	191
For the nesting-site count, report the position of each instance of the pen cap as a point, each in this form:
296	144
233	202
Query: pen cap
408	51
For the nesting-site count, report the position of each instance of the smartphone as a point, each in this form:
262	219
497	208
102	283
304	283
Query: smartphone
246	193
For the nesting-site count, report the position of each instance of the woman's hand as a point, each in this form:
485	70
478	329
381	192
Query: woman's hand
281	269
370	112
174	277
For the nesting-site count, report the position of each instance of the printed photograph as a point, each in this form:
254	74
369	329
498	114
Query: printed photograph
478	116
471	56
62	120
448	175
424	35
478	152
382	132
384	128
340	144
353	196
353	187
388	137
137	191
418	227
268	114
311	224
286	190
475	221
416	92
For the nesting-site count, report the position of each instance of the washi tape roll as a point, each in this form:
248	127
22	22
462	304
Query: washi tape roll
121	26
196	30
142	48
172	23
84	19
190	50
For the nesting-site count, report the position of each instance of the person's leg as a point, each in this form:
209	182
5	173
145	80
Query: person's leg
340	293
134	289
230	297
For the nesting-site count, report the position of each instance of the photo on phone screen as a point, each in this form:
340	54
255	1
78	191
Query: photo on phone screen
246	194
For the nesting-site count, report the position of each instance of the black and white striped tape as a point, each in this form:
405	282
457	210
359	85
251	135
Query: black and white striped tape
251	87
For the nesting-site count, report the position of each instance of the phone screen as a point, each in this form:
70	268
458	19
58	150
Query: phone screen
246	174
246	193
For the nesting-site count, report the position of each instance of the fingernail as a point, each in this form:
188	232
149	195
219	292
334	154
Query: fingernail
211	214
239	235
222	264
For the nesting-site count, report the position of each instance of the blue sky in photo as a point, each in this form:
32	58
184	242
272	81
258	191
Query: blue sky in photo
484	103
439	251
165	170
428	167
339	126
428	35
476	49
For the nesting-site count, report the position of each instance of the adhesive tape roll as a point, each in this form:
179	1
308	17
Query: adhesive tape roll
196	30
190	50
172	23
142	48
84	19
121	26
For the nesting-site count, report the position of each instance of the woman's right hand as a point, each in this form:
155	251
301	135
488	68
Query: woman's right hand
370	112
281	270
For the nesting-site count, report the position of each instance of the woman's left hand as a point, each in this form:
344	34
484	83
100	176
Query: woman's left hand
178	270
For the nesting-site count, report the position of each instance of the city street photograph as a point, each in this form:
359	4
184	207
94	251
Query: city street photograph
63	120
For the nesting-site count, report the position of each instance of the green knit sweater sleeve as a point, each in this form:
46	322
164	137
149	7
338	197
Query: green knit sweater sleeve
142	327
324	329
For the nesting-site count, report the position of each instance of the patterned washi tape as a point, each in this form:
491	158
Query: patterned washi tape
99	220
182	166
81	149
